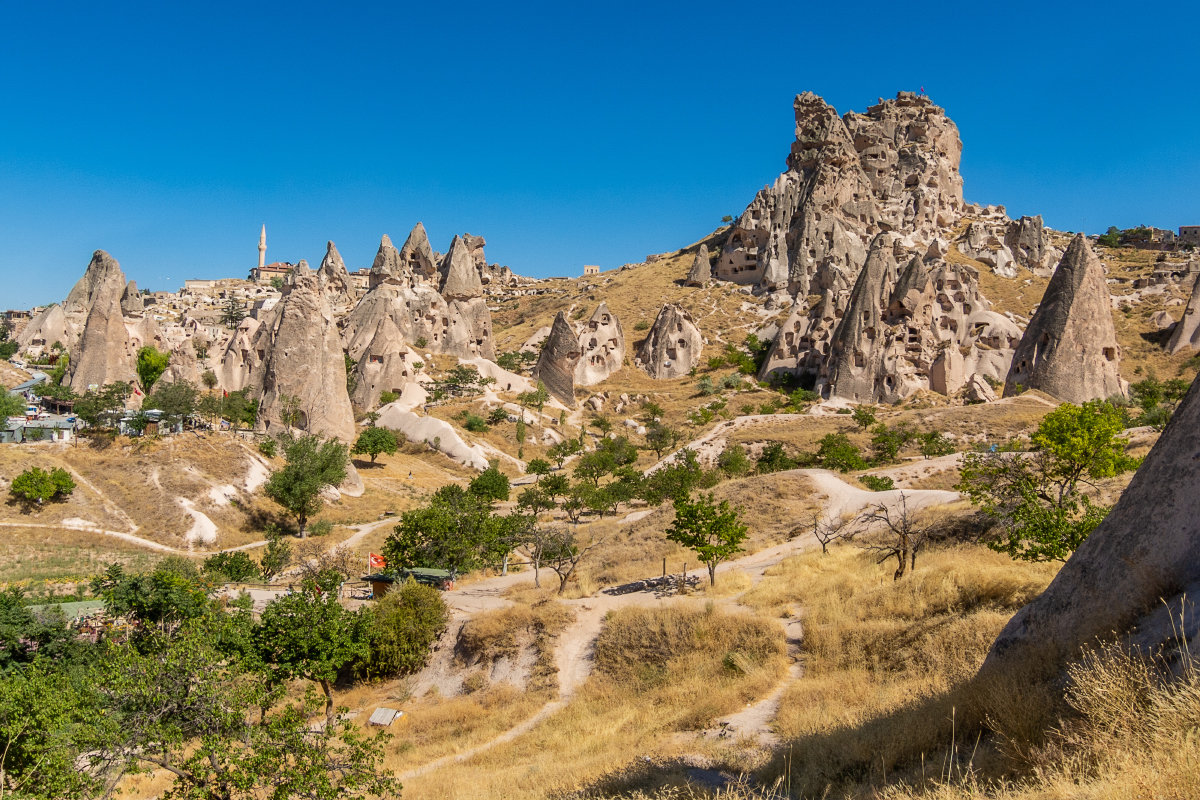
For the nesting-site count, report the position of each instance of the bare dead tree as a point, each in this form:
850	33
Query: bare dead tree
826	530
902	538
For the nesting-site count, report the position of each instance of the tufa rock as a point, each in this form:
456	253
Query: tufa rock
1069	349
979	390
48	326
387	267
460	275
1186	335
672	346
701	272
337	279
556	364
1133	573
131	301
416	255
103	353
601	347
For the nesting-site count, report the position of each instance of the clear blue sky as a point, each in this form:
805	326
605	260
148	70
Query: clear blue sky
565	133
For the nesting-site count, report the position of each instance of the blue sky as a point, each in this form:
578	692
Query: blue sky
167	133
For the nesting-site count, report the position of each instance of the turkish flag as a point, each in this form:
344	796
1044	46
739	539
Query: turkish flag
376	561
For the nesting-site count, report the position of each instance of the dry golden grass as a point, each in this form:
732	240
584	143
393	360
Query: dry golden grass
40	559
505	633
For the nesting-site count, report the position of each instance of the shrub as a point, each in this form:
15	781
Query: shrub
877	483
421	342
836	451
474	423
36	485
705	386
401	629
234	567
733	460
641	325
774	459
386	397
732	381
267	447
934	444
321	527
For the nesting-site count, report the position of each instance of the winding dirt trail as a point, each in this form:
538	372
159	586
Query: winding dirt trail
575	646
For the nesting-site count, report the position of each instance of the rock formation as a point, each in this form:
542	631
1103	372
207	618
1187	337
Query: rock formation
131	301
602	348
902	329
1069	349
417	256
1187	331
336	278
299	355
701	272
387	267
48	326
672	345
1131	575
383	362
893	168
556	364
102	354
460	274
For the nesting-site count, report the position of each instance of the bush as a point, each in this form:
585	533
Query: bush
705	386
233	567
836	451
321	527
641	325
491	484
474	423
774	459
877	483
733	461
36	485
386	397
267	447
421	342
934	444
401	629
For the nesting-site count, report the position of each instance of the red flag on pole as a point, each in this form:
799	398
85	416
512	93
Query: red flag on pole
375	561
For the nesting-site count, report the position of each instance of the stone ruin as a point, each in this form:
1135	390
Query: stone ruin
1069	349
672	345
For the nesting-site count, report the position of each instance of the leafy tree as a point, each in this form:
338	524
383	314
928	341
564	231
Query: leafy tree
497	416
774	458
35	485
11	405
1111	237
561	551
456	531
373	441
101	408
289	410
651	411
276	556
733	461
563	450
235	567
311	465
239	409
934	444
714	530
836	451
538	466
660	437
474	423
491	485
176	400
602	424
161	600
675	480
554	485
401	629
1038	501
26	635
609	455
151	364
886	442
308	634
537	398
863	416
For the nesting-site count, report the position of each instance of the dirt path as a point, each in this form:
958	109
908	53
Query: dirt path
575	646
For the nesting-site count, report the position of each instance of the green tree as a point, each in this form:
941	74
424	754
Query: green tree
151	364
836	451
1038	501
276	557
774	458
491	485
232	313
176	400
311	465
660	437
402	628
537	398
233	566
886	442
308	634
714	530
102	408
934	444
563	450
733	461
11	405
373	441
162	600
35	485
863	416
609	455
457	530
538	466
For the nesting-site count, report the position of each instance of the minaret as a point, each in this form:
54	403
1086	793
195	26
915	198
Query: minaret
262	248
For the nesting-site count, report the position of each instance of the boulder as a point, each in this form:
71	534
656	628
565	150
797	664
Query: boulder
1132	575
979	390
672	346
1162	321
601	347
1069	349
103	353
701	272
556	364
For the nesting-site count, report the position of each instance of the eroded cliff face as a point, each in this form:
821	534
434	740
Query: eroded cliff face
555	366
672	345
103	353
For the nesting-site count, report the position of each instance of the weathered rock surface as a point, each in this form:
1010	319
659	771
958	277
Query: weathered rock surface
556	364
300	355
701	272
387	266
1069	349
921	326
417	256
131	301
336	278
672	345
48	326
460	274
1131	575
1186	335
848	179
102	354
601	347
